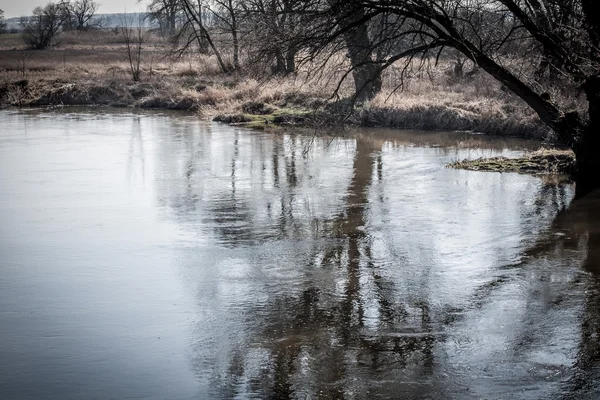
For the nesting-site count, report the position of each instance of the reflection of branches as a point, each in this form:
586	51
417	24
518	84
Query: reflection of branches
574	232
343	322
304	327
332	325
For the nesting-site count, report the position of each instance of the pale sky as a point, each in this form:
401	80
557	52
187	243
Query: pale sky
17	8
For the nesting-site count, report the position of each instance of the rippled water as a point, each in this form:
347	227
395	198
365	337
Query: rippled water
156	256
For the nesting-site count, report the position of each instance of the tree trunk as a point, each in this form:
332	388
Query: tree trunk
290	64
290	53
279	63
234	36
367	78
200	31
587	150
366	74
236	49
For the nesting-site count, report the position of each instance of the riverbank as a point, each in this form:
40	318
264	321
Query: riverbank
259	104
89	70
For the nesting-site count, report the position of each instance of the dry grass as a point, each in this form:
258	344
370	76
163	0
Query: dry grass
91	68
439	101
448	110
11	41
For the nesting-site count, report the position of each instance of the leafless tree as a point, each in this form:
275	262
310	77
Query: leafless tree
79	14
265	29
273	29
226	14
316	32
353	23
484	31
167	14
22	63
39	29
136	37
195	30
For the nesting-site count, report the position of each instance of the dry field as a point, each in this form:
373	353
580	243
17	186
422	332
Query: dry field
91	68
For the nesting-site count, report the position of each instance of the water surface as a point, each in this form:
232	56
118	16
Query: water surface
156	256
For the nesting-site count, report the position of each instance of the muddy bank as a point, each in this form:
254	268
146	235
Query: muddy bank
241	103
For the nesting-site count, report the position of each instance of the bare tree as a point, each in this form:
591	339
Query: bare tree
315	32
68	22
82	13
39	29
367	77
320	30
165	13
196	30
484	31
274	29
135	37
226	14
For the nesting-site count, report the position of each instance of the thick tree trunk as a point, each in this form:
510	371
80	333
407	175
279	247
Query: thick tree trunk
587	150
367	77
366	73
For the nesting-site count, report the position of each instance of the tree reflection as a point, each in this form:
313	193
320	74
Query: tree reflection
319	343
358	322
136	152
576	230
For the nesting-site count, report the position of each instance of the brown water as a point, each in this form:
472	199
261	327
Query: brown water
155	256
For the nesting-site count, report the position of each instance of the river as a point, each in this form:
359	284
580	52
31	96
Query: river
158	256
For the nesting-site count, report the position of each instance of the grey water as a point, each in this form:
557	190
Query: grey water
159	256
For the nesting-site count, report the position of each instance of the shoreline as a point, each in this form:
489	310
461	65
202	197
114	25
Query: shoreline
241	103
265	116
